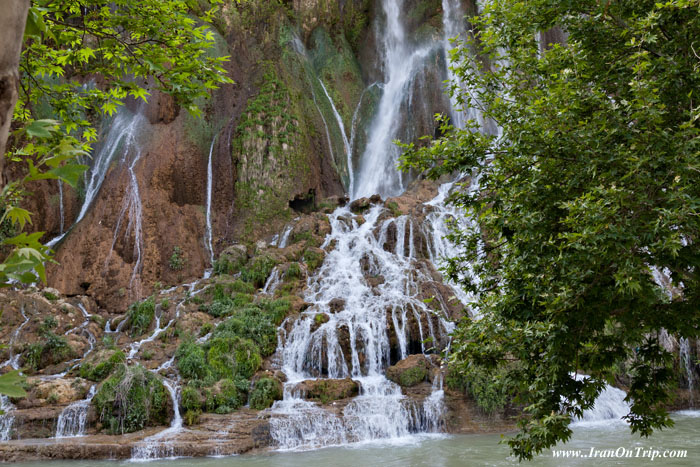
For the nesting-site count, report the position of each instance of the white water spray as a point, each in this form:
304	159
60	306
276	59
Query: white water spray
73	420
210	183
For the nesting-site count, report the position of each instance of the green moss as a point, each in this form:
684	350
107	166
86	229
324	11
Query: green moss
394	208
413	376
486	388
140	316
265	392
50	296
131	399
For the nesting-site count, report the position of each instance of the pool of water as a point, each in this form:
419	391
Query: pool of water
479	450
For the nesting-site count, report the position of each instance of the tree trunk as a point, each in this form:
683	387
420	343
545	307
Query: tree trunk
12	22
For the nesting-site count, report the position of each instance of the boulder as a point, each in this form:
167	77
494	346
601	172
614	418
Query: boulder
326	390
410	371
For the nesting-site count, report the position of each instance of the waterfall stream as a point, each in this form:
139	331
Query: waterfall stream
121	130
72	421
210	184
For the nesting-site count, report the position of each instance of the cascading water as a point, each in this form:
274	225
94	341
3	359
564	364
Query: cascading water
210	184
60	207
377	171
73	420
6	419
123	129
309	350
343	134
610	406
684	350
13	361
132	207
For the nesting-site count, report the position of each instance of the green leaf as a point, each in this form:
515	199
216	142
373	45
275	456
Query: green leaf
11	384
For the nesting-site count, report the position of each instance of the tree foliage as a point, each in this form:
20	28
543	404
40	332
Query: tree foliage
591	185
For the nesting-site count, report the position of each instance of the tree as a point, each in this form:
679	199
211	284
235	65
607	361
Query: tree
592	189
80	60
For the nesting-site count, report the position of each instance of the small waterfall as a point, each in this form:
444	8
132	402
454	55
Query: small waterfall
122	129
6	419
610	406
285	237
132	208
158	445
60	207
210	183
13	361
272	282
72	421
684	350
377	171
343	134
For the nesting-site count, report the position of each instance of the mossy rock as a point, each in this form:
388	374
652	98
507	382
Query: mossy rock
103	368
410	371
327	390
132	399
231	260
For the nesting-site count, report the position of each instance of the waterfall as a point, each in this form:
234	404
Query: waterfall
610	406
13	361
123	129
377	171
6	419
132	207
60	207
158	445
343	134
311	350
72	421
684	350
210	183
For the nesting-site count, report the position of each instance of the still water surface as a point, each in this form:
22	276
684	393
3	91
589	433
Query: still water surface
453	451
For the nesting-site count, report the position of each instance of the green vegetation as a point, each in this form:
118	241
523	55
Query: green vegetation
140	316
394	208
50	349
594	179
293	271
223	366
177	260
264	393
104	368
50	296
313	259
132	399
258	270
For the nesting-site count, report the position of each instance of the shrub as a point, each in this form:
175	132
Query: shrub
131	399
293	271
231	357
140	316
264	393
177	260
104	368
191	403
486	388
191	361
228	396
258	270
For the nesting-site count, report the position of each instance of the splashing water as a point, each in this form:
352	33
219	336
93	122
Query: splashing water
355	341
159	446
6	419
73	419
13	361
